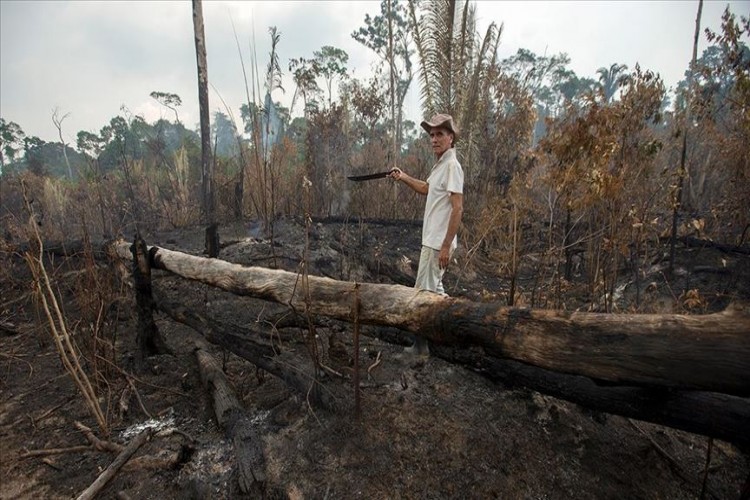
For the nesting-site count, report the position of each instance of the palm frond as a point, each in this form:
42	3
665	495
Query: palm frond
471	102
422	49
273	70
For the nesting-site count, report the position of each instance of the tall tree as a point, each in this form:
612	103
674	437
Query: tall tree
571	89
11	142
304	72
169	101
543	78
389	35
225	135
685	125
331	64
212	243
33	153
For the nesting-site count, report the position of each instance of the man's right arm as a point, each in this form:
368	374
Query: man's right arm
417	185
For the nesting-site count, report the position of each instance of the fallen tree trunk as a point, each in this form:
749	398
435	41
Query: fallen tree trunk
232	418
707	353
710	414
715	415
62	248
247	344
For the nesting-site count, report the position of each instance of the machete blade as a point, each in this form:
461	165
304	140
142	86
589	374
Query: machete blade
369	177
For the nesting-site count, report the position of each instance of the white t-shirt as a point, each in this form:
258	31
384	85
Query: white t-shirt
446	177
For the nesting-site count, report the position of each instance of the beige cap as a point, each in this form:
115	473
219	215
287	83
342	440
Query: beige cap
440	121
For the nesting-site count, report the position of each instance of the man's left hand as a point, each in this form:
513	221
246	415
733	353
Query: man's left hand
444	257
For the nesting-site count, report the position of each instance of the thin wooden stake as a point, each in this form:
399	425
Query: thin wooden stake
356	350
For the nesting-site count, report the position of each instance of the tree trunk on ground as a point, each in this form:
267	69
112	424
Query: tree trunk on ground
297	372
662	350
64	248
693	242
231	416
711	414
716	415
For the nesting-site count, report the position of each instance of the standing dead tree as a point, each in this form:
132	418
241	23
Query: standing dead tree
677	202
57	120
208	205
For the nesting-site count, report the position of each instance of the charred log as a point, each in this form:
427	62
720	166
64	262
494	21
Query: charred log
62	248
338	219
716	415
693	242
661	350
236	424
101	481
248	343
711	414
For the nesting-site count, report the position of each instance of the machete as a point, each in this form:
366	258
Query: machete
369	177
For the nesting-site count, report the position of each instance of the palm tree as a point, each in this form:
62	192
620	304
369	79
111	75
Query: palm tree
610	79
454	63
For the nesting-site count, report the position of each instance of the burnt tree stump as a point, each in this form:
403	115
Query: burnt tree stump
148	337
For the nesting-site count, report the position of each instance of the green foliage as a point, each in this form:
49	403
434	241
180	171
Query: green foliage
224	136
304	73
11	142
168	100
389	35
374	34
43	158
554	88
537	74
331	65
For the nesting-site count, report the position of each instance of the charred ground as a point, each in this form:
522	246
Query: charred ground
426	430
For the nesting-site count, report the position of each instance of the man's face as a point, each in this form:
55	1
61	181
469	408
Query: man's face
441	141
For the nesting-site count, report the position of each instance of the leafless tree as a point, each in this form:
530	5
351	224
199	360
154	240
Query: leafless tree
686	126
57	120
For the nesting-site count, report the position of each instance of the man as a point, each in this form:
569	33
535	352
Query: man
443	208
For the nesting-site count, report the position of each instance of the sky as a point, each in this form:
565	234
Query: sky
94	60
